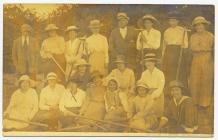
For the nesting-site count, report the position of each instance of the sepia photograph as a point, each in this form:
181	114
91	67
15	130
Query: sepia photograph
108	69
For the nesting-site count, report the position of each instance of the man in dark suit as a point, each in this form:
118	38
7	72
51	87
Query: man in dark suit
122	41
25	52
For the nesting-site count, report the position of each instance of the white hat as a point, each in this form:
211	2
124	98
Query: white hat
26	78
52	76
70	28
122	15
50	27
200	19
95	24
150	17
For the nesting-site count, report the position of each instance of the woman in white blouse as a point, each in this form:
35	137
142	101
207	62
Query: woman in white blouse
155	79
73	50
98	48
23	105
149	39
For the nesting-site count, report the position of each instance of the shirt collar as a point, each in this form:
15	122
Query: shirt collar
181	100
125	28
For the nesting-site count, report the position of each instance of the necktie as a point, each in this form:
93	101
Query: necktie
25	42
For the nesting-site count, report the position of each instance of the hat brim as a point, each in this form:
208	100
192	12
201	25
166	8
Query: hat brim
72	30
32	82
201	22
95	26
51	78
120	62
51	29
152	59
121	17
151	19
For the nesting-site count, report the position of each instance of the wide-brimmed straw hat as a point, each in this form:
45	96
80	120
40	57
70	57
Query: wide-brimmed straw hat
122	15
26	27
151	57
95	23
174	15
200	19
26	78
120	59
72	28
150	17
140	83
50	27
52	76
176	83
81	62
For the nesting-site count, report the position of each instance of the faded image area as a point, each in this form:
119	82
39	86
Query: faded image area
113	70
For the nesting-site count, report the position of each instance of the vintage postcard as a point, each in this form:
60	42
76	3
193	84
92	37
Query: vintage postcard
108	70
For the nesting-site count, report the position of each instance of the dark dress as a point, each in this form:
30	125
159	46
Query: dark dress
181	116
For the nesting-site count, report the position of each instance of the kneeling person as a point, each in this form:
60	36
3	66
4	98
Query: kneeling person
180	115
71	103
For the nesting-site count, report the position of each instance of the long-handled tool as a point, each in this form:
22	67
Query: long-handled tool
110	122
181	54
28	122
59	66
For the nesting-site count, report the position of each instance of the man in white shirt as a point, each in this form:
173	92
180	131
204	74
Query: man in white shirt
25	53
175	41
71	103
49	101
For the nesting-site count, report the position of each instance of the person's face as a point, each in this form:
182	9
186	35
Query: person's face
142	92
82	68
95	30
52	33
122	23
148	24
72	86
25	32
176	92
121	66
173	22
150	65
24	85
52	82
200	27
112	85
72	34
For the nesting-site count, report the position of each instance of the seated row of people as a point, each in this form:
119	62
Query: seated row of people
140	106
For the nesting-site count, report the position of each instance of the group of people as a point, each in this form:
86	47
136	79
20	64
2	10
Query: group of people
116	85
